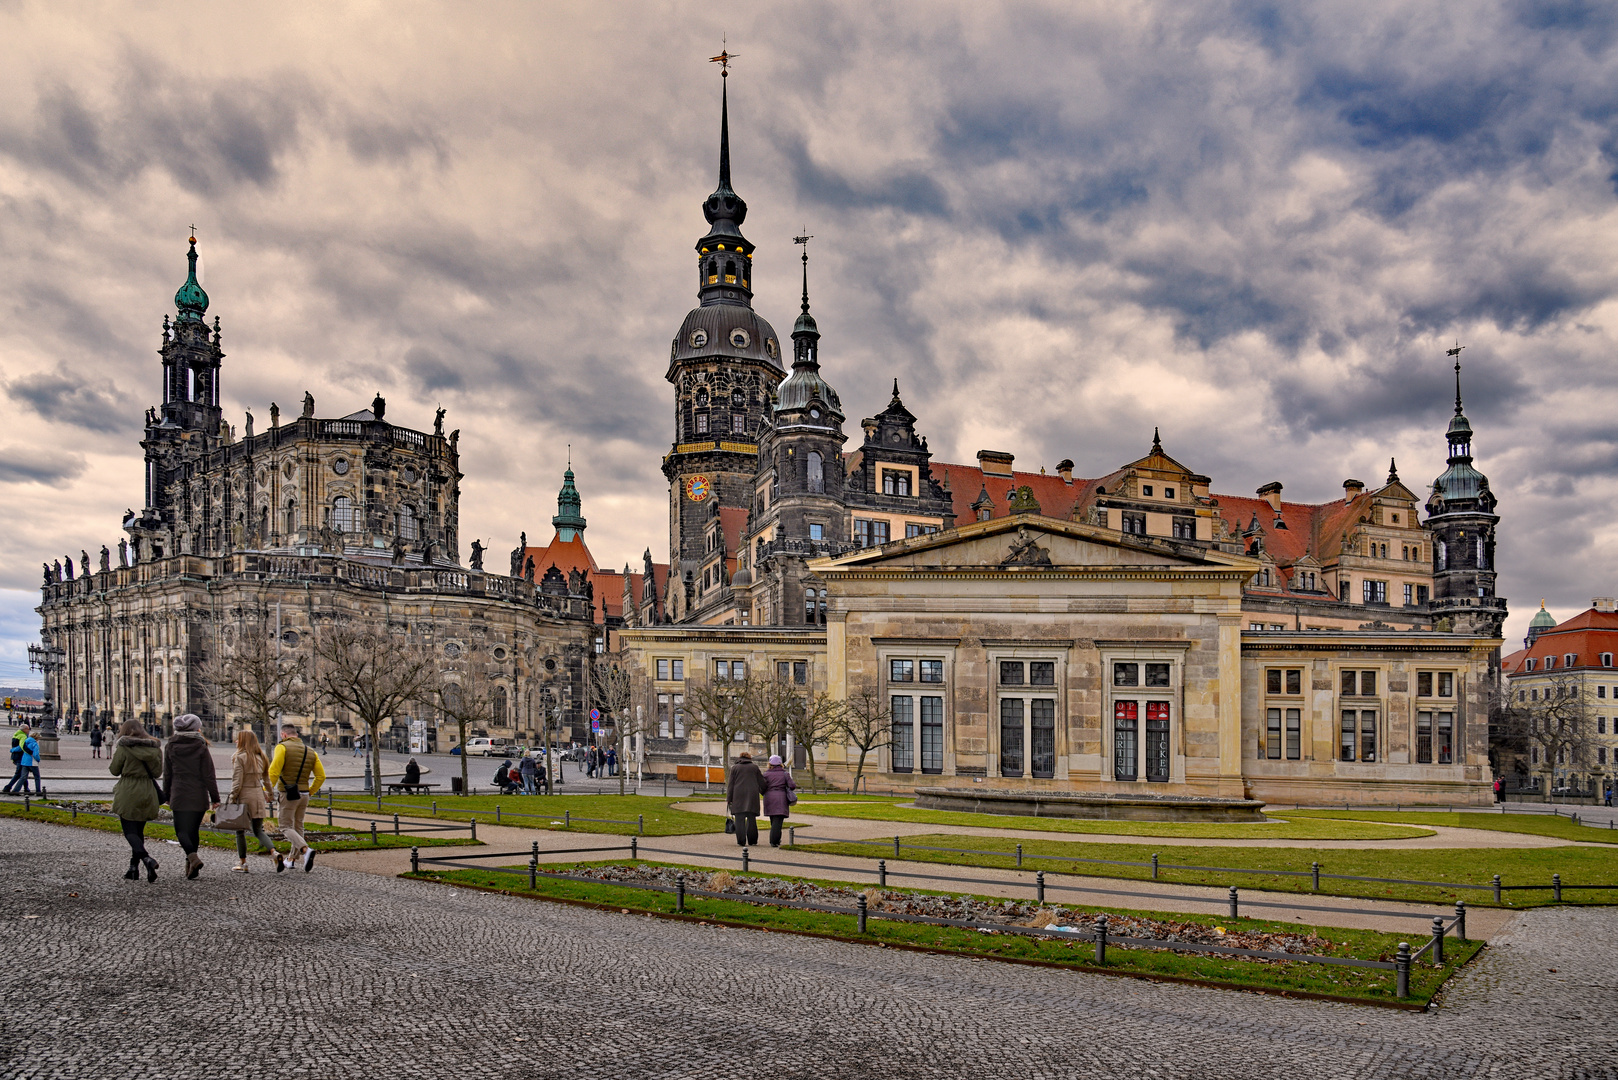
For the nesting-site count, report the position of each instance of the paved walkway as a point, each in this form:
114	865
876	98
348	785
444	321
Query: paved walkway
343	974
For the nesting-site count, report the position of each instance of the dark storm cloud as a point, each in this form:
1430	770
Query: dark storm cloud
34	465
64	398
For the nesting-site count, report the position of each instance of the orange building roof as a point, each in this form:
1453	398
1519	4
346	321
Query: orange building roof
1586	635
1056	497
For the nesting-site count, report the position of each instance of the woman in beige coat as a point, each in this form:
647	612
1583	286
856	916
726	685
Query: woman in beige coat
250	786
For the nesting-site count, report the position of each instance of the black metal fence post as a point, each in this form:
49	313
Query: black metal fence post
1019	856
1438	941
1556	887
1039	886
860	906
374	840
640	824
567	819
415	860
474	828
679	894
1154	866
895	847
1401	964
1460	919
497	813
533	874
1101	939
1233	903
744	860
634	847
328	815
882	873
395	824
1496	888
1315	868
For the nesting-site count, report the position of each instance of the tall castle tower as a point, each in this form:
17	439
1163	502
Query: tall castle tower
1460	513
724	364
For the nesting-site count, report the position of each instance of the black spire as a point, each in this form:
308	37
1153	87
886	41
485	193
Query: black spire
724	255
724	131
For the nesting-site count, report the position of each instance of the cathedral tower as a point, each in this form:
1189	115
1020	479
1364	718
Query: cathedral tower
724	364
1460	513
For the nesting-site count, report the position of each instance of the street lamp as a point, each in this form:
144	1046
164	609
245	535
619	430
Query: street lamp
49	659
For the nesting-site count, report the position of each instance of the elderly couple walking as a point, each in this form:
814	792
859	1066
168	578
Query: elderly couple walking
748	789
181	774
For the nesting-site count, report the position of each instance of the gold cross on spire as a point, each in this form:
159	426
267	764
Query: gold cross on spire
193	234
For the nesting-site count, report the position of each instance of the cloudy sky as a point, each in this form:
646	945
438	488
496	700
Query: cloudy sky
1256	226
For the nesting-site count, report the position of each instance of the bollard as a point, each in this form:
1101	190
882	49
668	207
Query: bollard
1497	888
665	787
634	848
861	907
792	836
415	860
1019	856
374	840
533	850
1039	886
28	806
1460	920
395	824
328	817
533	874
75	809
895	847
567	819
1233	902
640	824
1154	866
1316	868
1401	965
679	894
744	860
435	808
1556	887
497	813
1438	941
379	801
1101	939
474	826
882	873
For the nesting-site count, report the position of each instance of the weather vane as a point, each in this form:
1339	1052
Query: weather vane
1455	352
804	241
723	59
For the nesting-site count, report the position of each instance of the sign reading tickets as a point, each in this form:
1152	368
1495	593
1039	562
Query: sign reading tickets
698	488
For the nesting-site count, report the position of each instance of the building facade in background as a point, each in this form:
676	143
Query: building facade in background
1561	704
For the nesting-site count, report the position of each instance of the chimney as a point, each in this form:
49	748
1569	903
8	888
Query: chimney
1352	489
1271	493
995	463
1064	469
1605	603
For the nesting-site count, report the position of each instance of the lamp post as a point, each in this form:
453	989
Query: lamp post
49	659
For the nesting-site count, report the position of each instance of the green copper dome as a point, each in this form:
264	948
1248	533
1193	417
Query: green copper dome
569	519
191	300
1543	620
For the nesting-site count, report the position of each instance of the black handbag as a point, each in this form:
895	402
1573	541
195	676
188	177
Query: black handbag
730	826
155	785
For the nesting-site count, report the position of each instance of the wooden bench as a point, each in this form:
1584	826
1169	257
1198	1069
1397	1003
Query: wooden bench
410	789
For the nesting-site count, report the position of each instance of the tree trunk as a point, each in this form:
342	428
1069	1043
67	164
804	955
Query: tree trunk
376	758
461	730
859	772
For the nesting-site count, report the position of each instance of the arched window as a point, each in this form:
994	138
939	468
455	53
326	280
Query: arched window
1443	554
713	271
408	528
263	525
500	705
292	517
343	518
1483	555
730	272
815	475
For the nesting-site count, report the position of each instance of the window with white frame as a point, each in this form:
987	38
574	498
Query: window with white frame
1143	692
916	704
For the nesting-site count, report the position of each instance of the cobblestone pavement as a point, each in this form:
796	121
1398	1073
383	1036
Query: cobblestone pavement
340	974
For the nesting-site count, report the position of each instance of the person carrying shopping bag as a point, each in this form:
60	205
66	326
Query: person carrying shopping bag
250	790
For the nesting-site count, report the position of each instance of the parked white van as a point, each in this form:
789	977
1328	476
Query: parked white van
484	747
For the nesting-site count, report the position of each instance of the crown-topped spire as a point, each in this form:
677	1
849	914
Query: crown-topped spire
569	519
191	300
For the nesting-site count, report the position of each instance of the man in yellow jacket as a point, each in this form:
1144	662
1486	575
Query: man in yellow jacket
296	774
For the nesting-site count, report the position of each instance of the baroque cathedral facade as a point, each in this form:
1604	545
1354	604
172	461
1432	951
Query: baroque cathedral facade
1133	632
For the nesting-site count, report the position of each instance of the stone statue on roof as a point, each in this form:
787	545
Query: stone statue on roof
438	422
477	554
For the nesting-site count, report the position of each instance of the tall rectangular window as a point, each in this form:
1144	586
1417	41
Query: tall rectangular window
1269	745
1350	732
932	735
663	670
1424	684
1042	735
904	734
1125	736
665	716
1157	741
879	533
1424	737
862	532
1011	743
679	716
678	671
800	672
1410	594
1444	736
1294	734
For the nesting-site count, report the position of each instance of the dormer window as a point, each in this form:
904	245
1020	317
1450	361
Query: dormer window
1529	664
1146	490
895	482
1570	660
1168	493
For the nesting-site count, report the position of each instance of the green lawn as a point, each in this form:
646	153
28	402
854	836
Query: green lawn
318	835
889	810
1516	866
1348	982
544	811
1534	824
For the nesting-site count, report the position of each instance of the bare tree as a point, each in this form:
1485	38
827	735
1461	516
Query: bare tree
866	723
1558	726
719	708
466	699
609	687
259	678
374	674
768	707
818	719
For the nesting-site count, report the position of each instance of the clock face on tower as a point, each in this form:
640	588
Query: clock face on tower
697	488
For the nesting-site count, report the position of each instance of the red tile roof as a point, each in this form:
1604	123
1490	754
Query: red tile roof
1586	635
1056	497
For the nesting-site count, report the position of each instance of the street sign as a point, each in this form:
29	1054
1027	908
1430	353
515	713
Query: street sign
595	726
595	714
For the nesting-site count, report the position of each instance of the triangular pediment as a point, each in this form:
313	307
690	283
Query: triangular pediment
1032	542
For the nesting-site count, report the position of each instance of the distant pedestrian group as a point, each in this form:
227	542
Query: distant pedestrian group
25	762
181	774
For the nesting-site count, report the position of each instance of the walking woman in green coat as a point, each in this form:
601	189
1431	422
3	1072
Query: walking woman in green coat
137	762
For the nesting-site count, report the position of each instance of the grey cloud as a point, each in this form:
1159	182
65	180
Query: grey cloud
64	398
33	465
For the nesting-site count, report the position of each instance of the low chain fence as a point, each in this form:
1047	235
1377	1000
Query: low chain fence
862	912
500	813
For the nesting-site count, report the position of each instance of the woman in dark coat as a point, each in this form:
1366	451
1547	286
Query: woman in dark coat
743	787
778	786
137	762
189	786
